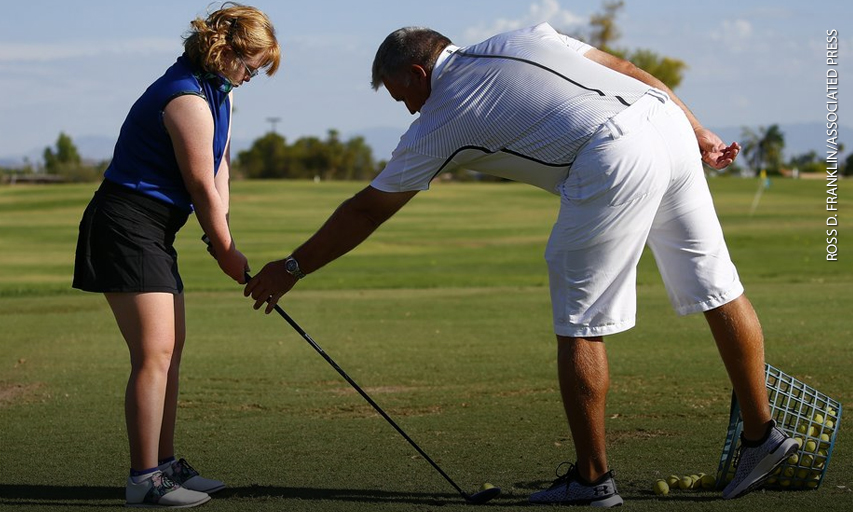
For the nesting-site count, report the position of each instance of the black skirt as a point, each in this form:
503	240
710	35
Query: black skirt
126	243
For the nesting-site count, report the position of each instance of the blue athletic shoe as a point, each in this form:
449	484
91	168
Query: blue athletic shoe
569	489
756	464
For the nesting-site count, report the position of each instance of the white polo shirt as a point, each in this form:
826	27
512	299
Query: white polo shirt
519	106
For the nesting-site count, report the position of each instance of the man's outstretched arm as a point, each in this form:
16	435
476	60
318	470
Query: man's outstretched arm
354	220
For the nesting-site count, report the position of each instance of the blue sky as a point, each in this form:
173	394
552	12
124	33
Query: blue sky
78	66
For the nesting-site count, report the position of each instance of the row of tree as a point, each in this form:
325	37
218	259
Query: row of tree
271	157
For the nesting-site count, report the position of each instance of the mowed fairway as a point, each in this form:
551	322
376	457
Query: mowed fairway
443	317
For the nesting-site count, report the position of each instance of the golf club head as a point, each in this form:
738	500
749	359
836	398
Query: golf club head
483	496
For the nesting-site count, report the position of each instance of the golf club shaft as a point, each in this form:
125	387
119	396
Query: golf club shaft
361	392
307	337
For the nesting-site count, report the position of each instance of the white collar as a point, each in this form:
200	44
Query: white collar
441	61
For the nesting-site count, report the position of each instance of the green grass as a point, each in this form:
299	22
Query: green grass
442	316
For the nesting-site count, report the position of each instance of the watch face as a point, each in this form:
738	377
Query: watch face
291	266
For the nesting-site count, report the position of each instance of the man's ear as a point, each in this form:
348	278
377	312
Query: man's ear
417	72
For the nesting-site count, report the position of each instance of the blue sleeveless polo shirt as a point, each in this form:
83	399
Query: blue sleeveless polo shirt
144	158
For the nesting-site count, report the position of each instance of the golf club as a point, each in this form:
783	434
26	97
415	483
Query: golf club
487	493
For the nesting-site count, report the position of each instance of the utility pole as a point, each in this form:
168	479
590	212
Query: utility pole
273	121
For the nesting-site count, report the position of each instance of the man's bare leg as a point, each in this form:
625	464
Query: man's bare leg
737	331
584	380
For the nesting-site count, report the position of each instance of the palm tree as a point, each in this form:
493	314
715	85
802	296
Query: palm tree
751	148
763	148
772	143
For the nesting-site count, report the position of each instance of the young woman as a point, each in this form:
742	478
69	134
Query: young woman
171	158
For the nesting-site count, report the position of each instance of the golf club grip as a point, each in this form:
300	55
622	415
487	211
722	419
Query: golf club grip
355	386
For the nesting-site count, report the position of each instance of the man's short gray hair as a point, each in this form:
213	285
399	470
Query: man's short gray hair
404	47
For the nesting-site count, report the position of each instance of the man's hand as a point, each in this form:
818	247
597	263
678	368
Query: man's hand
269	285
714	151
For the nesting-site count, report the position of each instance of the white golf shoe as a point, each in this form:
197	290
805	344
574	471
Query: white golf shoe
160	491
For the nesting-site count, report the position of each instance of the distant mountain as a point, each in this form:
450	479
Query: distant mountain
10	163
382	140
19	161
95	147
799	138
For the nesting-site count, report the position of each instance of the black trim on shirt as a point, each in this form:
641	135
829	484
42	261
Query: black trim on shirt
546	68
178	94
488	152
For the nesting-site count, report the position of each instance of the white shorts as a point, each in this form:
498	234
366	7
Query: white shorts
638	181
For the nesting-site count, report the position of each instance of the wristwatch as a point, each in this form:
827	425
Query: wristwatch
292	267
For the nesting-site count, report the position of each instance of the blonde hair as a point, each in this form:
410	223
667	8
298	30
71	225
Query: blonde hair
243	29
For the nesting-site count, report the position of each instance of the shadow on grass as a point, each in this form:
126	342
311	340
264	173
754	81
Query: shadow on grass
356	495
73	495
94	496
